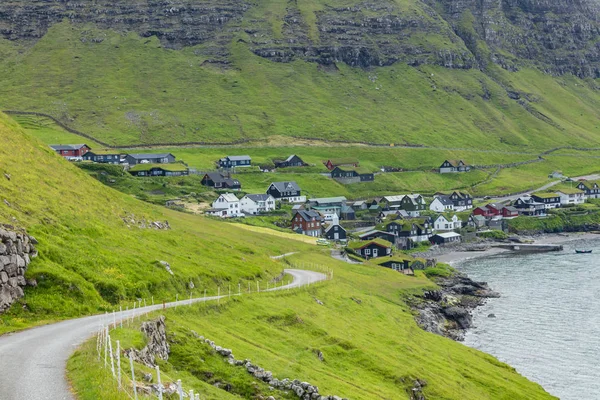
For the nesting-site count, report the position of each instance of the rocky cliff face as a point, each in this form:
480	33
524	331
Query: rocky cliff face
16	251
559	36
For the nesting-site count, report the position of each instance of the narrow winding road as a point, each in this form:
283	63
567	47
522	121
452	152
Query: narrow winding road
33	362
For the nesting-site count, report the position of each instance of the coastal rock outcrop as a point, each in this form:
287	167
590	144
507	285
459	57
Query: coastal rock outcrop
447	311
17	249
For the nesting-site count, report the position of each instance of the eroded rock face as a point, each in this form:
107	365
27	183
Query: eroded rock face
559	36
157	346
16	251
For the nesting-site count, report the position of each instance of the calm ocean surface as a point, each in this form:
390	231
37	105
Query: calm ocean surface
547	321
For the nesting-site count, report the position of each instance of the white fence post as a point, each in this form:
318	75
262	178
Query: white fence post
105	347
197	396
112	359
133	378
119	363
180	389
190	298
114	320
160	389
191	393
205	297
133	312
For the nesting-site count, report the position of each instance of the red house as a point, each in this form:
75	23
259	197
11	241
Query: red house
307	223
495	209
340	162
70	150
484	212
510	212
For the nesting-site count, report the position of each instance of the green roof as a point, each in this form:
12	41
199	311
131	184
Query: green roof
344	160
166	167
359	244
546	195
570	190
400	258
359	170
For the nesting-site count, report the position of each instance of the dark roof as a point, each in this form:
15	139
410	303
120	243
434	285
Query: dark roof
511	208
290	158
286	186
238	158
332	225
358	170
258	197
307	215
143	156
445	200
59	147
216	176
370	233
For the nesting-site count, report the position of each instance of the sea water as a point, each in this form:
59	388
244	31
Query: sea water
547	320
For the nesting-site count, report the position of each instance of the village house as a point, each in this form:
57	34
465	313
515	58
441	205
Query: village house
348	175
340	162
476	221
103	157
452	166
441	204
549	200
391	215
374	234
291	161
591	189
509	212
484	212
570	196
348	213
415	230
141	158
445	238
413	204
307	223
527	206
496	224
335	232
397	263
71	151
495	208
462	201
229	204
286	191
371	249
254	204
328	205
220	180
447	223
359	205
159	170
235	161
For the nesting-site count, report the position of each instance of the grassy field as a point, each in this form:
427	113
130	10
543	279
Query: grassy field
372	347
93	258
128	90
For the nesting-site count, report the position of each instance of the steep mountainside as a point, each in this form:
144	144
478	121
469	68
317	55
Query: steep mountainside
403	71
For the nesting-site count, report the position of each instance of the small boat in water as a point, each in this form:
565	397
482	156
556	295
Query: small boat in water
583	251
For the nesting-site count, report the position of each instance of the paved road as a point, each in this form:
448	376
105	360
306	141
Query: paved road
33	362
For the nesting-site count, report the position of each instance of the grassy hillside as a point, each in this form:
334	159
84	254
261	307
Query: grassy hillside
371	346
128	90
92	260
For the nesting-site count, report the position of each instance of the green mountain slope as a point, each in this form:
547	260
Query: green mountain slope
124	89
93	257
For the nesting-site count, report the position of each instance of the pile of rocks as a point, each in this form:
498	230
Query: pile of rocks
157	346
303	390
130	220
16	251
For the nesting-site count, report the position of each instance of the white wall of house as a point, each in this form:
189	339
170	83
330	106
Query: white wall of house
437	206
571	198
229	202
294	199
250	206
443	224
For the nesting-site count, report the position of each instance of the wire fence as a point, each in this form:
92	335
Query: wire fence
123	372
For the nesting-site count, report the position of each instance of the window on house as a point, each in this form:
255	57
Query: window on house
367	252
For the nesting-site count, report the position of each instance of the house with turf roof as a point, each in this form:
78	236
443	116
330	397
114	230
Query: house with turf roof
348	175
549	200
376	234
397	263
150	170
372	248
102	156
591	189
571	196
341	162
454	166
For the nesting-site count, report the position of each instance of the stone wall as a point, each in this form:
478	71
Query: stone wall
16	251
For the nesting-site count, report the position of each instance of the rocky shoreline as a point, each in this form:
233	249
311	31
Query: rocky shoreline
447	310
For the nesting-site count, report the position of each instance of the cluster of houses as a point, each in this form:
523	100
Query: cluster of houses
139	164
